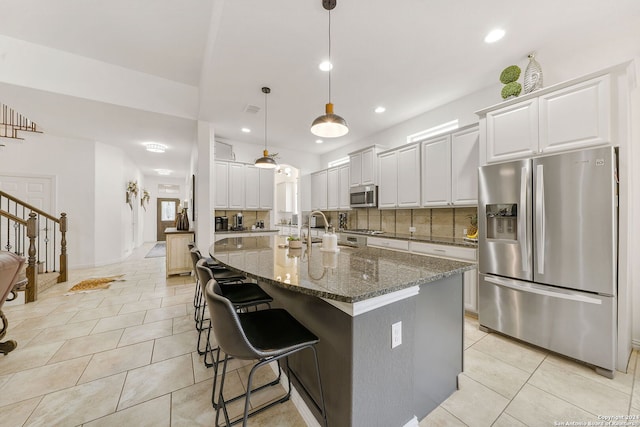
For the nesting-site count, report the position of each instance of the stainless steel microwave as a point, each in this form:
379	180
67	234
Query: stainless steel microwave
364	196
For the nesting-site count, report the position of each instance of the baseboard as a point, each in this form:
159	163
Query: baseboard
413	422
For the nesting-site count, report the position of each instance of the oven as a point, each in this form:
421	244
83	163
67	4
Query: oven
364	196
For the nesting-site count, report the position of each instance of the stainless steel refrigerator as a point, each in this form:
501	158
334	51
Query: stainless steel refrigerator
548	253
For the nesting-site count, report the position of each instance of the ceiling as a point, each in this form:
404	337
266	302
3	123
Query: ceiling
409	56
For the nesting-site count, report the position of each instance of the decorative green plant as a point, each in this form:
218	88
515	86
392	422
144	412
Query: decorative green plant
511	89
293	238
509	77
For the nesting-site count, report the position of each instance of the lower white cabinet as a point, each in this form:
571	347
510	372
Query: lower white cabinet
378	242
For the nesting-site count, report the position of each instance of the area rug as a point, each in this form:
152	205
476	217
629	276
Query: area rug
160	249
94	284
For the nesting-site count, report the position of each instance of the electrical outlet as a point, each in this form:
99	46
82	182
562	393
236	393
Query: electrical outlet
396	334
412	229
464	231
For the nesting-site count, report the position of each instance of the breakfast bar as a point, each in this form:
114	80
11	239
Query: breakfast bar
352	299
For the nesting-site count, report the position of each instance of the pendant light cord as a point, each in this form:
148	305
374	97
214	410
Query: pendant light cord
330	62
265	119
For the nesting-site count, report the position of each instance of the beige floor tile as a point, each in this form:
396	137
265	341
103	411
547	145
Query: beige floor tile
76	306
506	420
154	380
79	404
153	413
40	381
535	407
191	406
27	357
165	313
65	332
143	305
16	414
185	297
200	371
474	404
43	322
471	332
263	375
579	390
183	324
95	313
621	381
441	418
145	332
174	345
510	351
283	415
120	299
494	373
118	360
90	344
119	322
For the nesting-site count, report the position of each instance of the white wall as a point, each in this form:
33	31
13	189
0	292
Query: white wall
149	216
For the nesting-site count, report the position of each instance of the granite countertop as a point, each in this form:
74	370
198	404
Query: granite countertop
173	230
451	241
257	230
350	276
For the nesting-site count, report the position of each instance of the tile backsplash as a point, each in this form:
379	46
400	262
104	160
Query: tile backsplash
249	217
435	222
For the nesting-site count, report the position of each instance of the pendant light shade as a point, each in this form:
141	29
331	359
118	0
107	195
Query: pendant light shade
329	125
266	161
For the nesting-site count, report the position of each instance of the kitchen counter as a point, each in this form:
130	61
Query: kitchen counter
350	300
247	231
451	241
351	275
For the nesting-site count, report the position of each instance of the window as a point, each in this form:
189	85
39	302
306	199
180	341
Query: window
168	211
338	162
433	131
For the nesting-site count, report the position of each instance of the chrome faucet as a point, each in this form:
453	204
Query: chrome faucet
326	227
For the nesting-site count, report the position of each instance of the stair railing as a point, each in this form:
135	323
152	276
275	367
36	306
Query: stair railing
28	231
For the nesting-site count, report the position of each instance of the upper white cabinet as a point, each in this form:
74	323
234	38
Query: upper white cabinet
399	177
333	188
319	190
450	168
565	117
242	186
344	199
363	167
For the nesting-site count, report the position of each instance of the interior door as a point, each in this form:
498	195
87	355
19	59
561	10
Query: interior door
166	216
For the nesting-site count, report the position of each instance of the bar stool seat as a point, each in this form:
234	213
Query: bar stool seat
267	336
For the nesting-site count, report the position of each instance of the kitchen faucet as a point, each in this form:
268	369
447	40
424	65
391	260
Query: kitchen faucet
326	228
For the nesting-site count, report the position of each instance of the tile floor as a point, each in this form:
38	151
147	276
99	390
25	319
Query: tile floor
126	356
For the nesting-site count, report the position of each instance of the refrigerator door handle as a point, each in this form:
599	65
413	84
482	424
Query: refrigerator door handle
526	287
522	219
540	226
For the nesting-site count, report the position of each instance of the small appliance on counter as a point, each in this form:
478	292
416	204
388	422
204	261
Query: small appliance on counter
238	222
317	221
222	223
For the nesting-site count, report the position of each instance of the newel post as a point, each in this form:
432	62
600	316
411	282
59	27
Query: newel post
31	293
63	248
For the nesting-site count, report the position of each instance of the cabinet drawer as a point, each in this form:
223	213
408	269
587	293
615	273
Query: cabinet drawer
400	245
444	251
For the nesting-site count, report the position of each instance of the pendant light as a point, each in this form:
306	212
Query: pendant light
329	125
266	161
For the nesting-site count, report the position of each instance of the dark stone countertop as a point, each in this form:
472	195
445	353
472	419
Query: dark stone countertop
351	275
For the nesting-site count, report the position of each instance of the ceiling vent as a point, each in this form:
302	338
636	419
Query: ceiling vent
253	109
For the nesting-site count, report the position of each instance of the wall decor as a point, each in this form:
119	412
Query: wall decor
144	200
509	77
132	192
532	75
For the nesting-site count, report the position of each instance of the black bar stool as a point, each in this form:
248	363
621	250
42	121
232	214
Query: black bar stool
264	335
243	295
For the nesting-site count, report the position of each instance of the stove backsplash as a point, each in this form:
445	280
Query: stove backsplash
436	222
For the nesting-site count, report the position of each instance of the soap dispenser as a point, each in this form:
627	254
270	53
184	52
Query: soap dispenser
330	241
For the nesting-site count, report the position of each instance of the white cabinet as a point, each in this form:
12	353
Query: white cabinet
338	188
319	190
399	177
363	167
236	186
221	185
379	242
252	187
266	188
551	120
450	168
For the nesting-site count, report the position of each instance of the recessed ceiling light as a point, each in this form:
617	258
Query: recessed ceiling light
318	141
494	35
155	147
380	110
163	171
246	130
325	66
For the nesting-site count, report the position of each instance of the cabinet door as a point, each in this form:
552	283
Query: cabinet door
576	116
333	188
470	279
266	188
252	187
343	197
319	190
436	171
464	167
355	164
221	197
512	132
409	176
236	186
388	188
369	166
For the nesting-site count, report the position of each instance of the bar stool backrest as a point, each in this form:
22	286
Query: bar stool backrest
204	273
195	257
227	328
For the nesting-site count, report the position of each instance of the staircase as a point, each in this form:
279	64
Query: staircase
30	232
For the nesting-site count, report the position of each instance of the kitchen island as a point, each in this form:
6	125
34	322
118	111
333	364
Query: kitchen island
350	300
